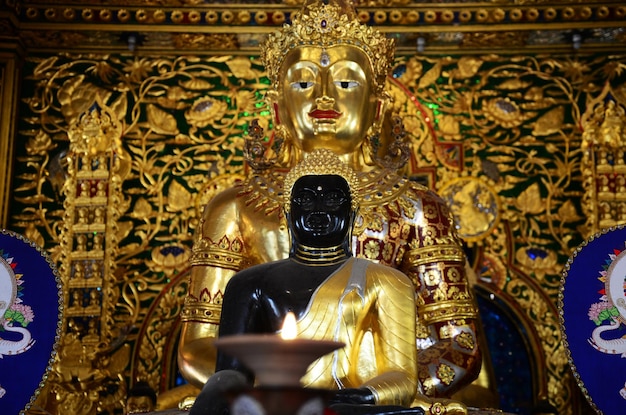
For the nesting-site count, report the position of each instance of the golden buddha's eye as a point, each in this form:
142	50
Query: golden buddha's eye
301	85
347	84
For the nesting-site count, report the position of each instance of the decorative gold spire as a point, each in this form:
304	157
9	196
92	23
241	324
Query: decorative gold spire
324	24
318	163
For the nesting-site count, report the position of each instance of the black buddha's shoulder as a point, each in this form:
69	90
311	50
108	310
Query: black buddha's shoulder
258	273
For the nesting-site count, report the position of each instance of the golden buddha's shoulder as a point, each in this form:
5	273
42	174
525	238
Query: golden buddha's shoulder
263	191
257	199
399	194
256	192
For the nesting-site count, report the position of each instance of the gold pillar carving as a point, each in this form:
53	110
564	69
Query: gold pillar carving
604	162
9	80
92	356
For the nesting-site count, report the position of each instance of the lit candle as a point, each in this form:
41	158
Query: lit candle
289	330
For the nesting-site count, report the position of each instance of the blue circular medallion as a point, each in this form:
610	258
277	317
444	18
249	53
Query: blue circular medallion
592	304
30	321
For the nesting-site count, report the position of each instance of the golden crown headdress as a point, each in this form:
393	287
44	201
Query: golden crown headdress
324	24
321	162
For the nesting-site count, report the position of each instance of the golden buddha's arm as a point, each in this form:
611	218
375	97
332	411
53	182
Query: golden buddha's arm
448	354
200	323
217	256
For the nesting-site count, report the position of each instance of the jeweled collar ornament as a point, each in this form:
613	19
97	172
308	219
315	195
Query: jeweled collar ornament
326	24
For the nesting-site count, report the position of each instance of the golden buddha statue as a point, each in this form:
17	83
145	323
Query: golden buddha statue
328	76
365	305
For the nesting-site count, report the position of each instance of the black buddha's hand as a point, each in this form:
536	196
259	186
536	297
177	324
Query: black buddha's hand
358	396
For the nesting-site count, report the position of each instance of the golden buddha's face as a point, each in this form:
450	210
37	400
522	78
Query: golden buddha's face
326	97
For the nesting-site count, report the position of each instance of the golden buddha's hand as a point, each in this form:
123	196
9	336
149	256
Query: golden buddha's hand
439	406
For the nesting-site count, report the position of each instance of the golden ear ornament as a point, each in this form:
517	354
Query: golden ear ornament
325	25
322	162
259	154
397	153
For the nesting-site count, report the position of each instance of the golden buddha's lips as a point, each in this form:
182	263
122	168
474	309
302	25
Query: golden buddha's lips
324	114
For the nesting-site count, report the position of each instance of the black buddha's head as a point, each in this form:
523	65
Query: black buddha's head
321	213
321	196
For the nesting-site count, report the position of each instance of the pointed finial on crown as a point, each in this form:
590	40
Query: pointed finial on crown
326	23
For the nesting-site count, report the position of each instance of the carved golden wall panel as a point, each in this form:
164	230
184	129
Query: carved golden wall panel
498	136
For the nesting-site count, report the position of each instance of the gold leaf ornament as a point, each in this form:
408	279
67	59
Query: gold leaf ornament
178	197
77	97
550	122
142	210
529	201
241	67
431	76
160	121
468	66
567	212
448	125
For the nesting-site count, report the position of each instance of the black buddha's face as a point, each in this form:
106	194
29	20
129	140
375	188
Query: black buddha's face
321	209
139	405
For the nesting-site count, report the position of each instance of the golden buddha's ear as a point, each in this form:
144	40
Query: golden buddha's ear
385	144
384	104
289	154
374	142
272	99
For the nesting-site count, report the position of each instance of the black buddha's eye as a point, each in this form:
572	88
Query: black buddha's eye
305	199
334	199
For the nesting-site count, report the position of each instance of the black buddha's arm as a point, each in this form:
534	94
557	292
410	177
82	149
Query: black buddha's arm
240	314
355	396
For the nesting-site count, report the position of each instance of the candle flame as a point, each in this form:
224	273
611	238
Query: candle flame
289	327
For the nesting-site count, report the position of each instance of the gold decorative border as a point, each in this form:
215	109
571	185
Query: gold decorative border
259	18
8	95
215	28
